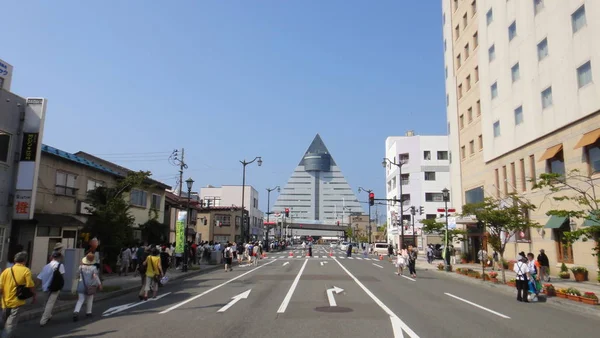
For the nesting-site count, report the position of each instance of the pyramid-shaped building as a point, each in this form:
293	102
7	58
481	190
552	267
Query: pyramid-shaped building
317	189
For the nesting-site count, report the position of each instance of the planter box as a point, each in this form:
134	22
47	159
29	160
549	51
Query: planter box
550	293
589	301
494	280
580	277
511	265
513	284
573	298
561	295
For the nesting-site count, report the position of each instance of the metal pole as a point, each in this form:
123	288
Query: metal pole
401	207
187	223
446	240
245	236
413	213
369	241
268	214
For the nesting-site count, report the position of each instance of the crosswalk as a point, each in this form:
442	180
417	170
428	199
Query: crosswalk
321	256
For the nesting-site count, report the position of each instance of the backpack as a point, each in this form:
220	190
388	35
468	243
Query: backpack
58	281
228	253
250	250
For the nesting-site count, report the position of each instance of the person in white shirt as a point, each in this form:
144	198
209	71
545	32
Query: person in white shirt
125	261
46	277
522	270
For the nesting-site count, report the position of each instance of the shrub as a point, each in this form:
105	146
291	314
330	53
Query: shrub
563	268
590	295
493	274
579	269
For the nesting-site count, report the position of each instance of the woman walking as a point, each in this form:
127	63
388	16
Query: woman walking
89	283
401	261
412	260
154	273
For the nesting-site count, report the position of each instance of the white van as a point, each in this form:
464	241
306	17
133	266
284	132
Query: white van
381	248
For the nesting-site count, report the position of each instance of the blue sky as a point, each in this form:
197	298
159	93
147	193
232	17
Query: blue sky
227	80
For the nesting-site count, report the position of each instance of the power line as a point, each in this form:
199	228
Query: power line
136	153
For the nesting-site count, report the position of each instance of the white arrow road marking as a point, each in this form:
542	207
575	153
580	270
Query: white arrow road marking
117	309
414	280
377	265
214	288
288	296
330	295
235	299
323	263
477	305
397	324
286	263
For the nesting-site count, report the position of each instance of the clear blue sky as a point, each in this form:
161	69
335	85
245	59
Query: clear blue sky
133	80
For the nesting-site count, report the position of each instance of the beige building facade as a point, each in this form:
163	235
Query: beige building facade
219	224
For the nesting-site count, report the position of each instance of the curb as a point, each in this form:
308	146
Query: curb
37	313
555	301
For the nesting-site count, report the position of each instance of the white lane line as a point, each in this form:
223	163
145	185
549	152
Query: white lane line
350	257
286	263
397	324
477	306
359	258
288	297
412	279
377	265
213	289
341	257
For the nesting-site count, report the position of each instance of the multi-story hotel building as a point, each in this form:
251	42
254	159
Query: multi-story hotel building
540	109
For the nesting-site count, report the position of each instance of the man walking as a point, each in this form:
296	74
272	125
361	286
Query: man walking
18	274
544	266
52	282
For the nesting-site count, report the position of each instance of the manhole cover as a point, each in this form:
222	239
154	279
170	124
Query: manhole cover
333	309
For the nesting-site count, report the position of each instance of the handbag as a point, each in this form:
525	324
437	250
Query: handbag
23	292
88	290
156	274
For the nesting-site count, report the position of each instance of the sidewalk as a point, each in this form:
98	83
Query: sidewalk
113	286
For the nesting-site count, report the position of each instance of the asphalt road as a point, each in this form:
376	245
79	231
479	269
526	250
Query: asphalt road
326	297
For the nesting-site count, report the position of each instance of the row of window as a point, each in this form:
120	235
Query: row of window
463	149
405	179
462	57
461	117
429	197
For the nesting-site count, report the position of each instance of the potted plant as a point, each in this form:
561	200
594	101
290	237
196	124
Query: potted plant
486	276
464	258
457	270
441	266
549	290
564	272
504	264
573	294
493	277
561	293
512	282
511	264
579	273
589	298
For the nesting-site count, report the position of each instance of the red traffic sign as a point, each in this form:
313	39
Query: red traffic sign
444	210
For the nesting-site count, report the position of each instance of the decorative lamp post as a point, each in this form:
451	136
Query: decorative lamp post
190	183
246	230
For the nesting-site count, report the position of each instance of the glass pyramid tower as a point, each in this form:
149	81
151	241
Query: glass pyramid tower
317	189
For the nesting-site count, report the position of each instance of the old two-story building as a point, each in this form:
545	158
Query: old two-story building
220	223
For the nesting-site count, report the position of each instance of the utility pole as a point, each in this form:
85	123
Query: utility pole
175	160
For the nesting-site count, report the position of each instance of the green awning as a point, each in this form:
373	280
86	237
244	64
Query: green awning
555	222
592	221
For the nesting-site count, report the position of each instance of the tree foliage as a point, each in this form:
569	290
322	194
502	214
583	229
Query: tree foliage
432	226
155	232
502	219
110	220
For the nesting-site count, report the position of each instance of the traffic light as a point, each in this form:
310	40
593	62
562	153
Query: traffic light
287	212
371	198
412	210
421	210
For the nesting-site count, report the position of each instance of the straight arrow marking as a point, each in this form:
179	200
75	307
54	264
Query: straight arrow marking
330	295
377	265
235	299
122	308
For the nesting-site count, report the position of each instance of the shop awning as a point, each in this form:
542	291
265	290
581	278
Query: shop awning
592	221
555	222
588	138
551	152
57	220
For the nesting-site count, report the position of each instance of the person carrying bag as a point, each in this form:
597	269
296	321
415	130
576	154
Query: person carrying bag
88	286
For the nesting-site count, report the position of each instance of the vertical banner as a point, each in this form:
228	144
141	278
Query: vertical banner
180	231
29	161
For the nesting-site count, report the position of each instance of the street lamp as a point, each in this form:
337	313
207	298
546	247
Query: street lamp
369	191
446	195
190	183
385	163
269	213
244	163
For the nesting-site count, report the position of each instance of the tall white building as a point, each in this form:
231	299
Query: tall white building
231	195
424	174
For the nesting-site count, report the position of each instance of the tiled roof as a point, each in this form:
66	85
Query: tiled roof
80	160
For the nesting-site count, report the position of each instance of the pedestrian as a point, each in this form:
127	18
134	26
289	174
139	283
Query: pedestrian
495	258
12	299
429	254
544	266
452	255
255	254
154	273
534	285
412	260
390	250
142	270
125	260
228	253
401	261
89	283
523	275
52	281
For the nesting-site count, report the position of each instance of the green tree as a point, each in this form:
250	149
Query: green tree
349	233
580	190
110	220
155	232
502	219
432	226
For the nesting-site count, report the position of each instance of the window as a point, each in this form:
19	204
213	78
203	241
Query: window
447	100
512	31
477	74
403	158
538	5
49	231
470	114
434	197
405	179
584	74
547	98
405	199
456	32
474	195
480	141
138	198
542	49
475	40
460	92
442	155
467	51
224	219
473	7
389	183
578	20
513	176
463	152
255	203
448	128
593	155
494	90
465	21
445	45
518	115
505	180
443	18
93	184
1	87
430	176
471	147
532	170
468	82
458	64
427	155
156	199
446	71
65	184
489	17
556	164
515	72
497	185
478	108
4	146
523	179
461	121
430	216
492	53
455	6
497	129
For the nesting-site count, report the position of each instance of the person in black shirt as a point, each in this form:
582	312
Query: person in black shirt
544	266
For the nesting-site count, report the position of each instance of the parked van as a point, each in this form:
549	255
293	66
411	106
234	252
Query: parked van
381	248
